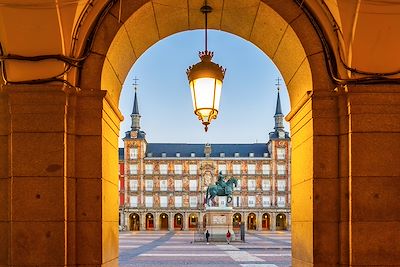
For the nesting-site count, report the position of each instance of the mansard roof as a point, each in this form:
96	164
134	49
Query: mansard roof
185	150
121	154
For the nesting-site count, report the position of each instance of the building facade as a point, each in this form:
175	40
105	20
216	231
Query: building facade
163	185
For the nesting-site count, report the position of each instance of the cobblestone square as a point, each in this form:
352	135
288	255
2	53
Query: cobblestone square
162	248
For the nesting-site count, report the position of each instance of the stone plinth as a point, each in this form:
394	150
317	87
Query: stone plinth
219	221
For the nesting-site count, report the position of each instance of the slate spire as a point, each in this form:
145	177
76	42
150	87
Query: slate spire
135	116
278	112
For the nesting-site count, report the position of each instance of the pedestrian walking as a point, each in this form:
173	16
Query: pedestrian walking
228	236
207	236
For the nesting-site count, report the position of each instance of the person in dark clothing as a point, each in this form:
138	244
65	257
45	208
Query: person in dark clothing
207	236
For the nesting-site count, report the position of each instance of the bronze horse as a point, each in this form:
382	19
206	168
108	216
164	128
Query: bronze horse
217	190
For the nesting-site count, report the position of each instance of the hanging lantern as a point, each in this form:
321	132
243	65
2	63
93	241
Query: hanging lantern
205	81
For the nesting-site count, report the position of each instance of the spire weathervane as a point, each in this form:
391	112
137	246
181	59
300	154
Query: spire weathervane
135	84
278	83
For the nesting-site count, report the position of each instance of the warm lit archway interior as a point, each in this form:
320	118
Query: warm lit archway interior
60	121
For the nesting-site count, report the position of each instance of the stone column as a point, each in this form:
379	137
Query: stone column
259	221
185	221
373	175
156	221
273	221
143	222
170	221
62	158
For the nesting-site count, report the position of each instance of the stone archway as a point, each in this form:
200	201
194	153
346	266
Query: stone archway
281	222
266	221
134	222
236	221
251	221
164	221
286	35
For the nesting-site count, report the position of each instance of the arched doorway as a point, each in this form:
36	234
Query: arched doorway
266	221
236	220
178	221
281	223
163	221
251	222
149	221
193	221
134	222
294	47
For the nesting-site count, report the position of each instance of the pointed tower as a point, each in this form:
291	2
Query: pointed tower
279	129
278	114
135	116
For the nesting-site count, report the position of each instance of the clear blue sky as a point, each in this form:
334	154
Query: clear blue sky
248	94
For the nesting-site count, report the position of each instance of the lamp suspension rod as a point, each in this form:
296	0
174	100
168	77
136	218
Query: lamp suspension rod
205	10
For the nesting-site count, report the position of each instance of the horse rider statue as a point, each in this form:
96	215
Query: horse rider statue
221	188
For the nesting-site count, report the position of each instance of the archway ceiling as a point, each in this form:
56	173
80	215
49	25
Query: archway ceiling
369	30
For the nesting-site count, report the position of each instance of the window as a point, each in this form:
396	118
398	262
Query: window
222	168
149	202
148	169
163	185
238	187
266	201
178	169
193	201
265	155
133	201
236	154
251	201
164	169
236	201
192	155
281	185
192	169
163	154
266	169
222	154
133	185
149	185
236	169
163	201
266	184
281	201
251	155
178	185
251	169
133	153
281	169
178	155
133	168
251	185
281	153
178	202
193	185
149	154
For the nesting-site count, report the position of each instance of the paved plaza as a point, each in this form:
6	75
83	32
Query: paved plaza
261	249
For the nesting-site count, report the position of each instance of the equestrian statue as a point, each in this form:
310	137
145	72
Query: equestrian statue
221	188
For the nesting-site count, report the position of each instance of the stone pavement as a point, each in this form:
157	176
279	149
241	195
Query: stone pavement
162	249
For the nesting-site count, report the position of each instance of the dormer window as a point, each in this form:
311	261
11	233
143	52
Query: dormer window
236	154
178	155
222	154
265	155
149	154
163	154
251	154
192	155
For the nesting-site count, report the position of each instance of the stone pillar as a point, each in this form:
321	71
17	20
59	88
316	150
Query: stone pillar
62	181
259	221
143	222
245	220
374	170
157	221
170	221
273	221
5	181
185	221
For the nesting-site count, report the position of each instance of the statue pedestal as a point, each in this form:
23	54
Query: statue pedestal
219	221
